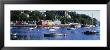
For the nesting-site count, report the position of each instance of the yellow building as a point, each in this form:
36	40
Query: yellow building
50	23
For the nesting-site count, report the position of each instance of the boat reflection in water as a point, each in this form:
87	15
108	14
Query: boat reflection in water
62	33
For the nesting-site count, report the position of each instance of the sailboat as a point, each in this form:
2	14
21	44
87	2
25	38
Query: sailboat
91	29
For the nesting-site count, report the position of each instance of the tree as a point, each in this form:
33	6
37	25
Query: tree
15	15
50	15
34	15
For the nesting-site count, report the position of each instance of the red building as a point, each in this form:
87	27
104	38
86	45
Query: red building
42	23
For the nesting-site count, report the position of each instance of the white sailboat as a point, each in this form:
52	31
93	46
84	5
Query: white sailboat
90	30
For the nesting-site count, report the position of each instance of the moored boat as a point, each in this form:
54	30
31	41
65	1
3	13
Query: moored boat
54	34
89	32
91	29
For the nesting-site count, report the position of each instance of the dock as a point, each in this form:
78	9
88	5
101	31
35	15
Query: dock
34	25
30	25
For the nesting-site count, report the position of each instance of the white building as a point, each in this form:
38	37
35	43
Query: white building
57	22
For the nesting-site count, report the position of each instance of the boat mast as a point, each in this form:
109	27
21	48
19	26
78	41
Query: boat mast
92	18
91	22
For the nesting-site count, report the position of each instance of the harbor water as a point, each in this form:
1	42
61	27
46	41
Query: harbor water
32	33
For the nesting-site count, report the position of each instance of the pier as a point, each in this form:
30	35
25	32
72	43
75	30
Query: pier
31	25
34	25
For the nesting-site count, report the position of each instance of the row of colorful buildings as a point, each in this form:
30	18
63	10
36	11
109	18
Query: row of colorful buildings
49	23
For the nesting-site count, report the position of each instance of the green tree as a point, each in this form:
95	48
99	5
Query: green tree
50	15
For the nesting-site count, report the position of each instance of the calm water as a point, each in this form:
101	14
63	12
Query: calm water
24	33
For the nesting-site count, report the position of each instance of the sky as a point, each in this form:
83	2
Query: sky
96	13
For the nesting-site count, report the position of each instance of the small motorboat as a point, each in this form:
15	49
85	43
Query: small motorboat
59	34
68	28
52	29
48	35
53	34
83	26
90	32
56	27
31	28
14	34
72	28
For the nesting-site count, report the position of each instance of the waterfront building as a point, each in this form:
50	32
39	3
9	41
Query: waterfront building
50	23
57	22
45	23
